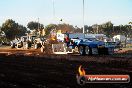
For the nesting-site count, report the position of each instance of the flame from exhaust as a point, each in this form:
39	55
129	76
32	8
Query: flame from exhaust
53	39
81	71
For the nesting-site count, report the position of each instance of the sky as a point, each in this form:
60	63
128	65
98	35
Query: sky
70	11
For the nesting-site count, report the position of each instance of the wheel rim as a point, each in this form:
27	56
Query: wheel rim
87	50
81	50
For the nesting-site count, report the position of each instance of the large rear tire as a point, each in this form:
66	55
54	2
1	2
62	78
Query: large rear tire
81	50
87	50
13	45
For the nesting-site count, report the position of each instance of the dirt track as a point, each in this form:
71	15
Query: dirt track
32	69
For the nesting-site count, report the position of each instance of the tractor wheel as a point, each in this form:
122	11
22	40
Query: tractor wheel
13	45
87	50
81	50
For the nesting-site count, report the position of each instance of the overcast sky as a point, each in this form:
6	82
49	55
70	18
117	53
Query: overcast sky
96	11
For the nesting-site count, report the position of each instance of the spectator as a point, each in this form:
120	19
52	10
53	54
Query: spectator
67	41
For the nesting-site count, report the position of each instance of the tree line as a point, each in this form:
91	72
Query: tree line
13	29
110	30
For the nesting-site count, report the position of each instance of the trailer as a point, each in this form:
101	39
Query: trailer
84	47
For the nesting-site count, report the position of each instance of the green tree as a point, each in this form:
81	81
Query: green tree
127	31
50	27
65	28
86	28
78	30
34	25
95	28
107	28
13	29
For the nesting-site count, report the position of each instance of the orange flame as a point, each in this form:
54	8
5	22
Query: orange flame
81	71
53	38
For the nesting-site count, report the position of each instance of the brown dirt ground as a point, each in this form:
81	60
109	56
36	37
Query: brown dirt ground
32	69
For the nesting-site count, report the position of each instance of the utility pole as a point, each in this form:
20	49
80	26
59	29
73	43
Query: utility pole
113	30
53	8
38	23
83	18
97	29
120	28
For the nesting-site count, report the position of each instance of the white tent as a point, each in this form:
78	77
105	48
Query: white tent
119	38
